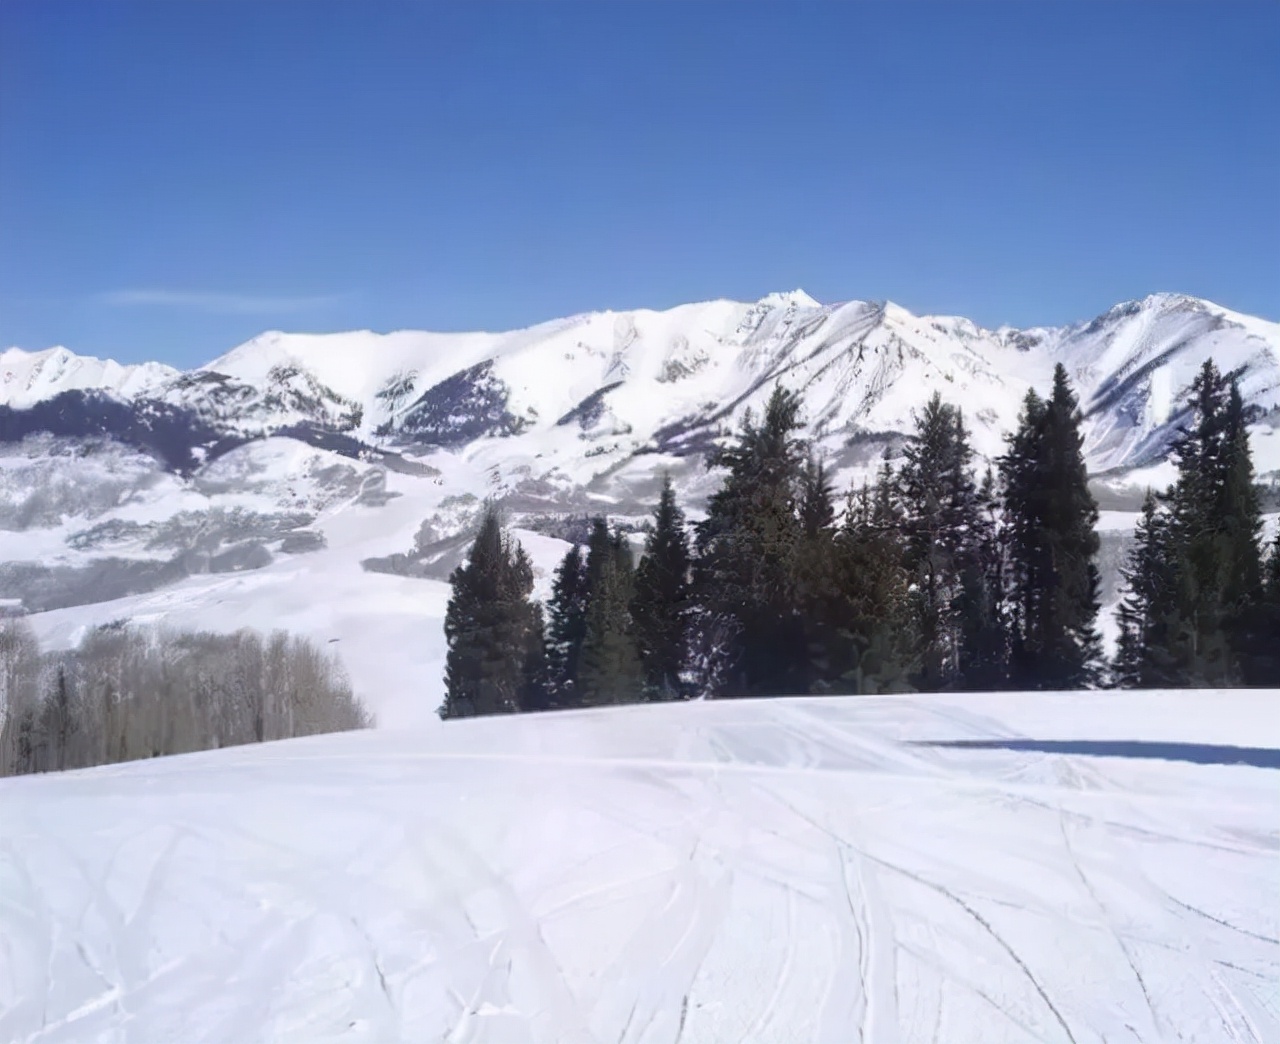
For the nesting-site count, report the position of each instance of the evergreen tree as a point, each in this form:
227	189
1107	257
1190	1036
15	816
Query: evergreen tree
601	548
488	624
817	498
874	643
980	606
535	680
1219	632
1197	645
744	571
566	628
1260	627
610	670
660	606
813	567
943	526
1050	516
1241	510
1147	613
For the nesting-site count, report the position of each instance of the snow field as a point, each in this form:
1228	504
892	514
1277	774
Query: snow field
780	870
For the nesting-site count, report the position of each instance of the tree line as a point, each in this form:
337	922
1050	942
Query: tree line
124	694
931	577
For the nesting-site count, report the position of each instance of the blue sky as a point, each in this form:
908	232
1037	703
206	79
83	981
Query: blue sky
177	177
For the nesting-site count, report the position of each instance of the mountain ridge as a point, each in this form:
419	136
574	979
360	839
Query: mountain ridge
670	381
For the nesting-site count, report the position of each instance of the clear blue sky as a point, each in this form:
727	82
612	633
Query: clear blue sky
177	177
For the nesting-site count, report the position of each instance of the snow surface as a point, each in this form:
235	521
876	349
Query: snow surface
784	870
30	377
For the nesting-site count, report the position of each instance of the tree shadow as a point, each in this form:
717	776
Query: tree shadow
1196	753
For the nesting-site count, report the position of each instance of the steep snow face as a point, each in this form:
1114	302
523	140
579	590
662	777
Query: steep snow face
30	377
974	869
1137	361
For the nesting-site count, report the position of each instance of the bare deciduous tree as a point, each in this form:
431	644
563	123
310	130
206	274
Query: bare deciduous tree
125	694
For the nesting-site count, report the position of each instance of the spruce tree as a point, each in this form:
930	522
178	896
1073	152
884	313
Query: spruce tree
487	624
610	670
535	677
980	606
566	628
943	526
601	548
1147	613
1050	516
817	498
744	571
1260	630
816	592
1197	644
1219	635
874	645
1250	629
660	606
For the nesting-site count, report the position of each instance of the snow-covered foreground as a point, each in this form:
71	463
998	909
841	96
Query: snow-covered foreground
786	870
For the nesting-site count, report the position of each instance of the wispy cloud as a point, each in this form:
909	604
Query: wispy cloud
227	304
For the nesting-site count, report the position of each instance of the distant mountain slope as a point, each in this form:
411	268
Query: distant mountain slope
607	386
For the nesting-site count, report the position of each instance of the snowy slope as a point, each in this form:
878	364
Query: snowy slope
786	870
863	369
30	377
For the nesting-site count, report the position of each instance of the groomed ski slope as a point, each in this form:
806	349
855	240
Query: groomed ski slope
784	870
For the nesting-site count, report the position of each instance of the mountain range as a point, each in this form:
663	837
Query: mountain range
345	469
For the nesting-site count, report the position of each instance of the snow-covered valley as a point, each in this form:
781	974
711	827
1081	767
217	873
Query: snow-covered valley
781	870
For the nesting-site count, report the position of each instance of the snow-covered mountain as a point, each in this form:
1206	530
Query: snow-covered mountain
350	465
605	387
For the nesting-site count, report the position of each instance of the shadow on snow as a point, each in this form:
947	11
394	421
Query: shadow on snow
1197	753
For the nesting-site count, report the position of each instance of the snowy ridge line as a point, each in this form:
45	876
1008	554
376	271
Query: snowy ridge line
654	379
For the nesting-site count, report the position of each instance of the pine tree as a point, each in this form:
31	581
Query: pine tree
1260	630
566	628
817	497
1196	644
816	593
984	631
1050	516
1250	626
610	670
660	606
487	625
601	548
1147	612
744	575
1219	632
943	526
535	675
874	645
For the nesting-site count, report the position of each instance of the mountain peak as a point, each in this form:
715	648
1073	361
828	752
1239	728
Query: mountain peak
787	298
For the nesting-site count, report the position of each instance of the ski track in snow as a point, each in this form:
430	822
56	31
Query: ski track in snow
765	871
